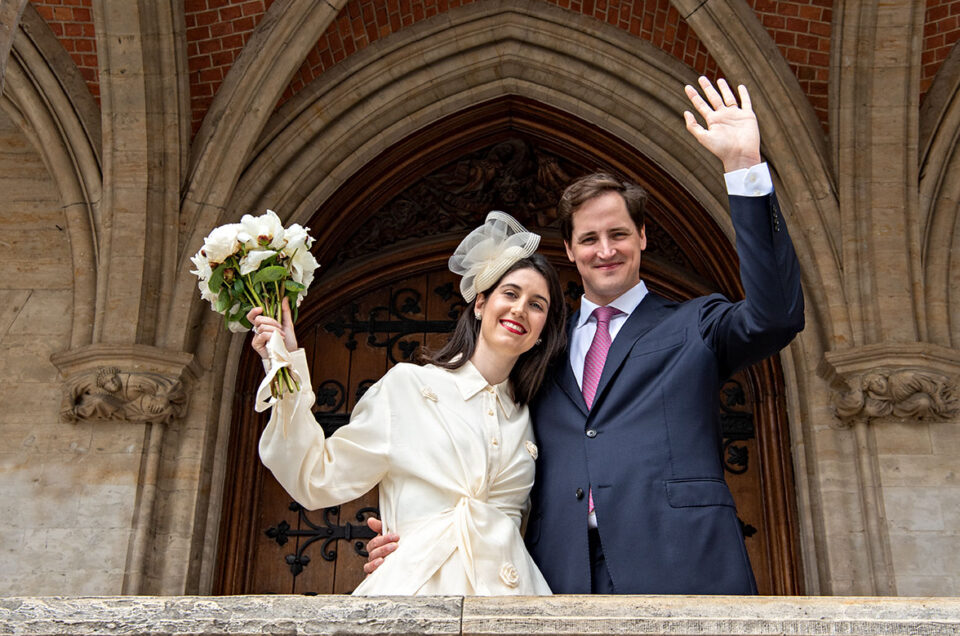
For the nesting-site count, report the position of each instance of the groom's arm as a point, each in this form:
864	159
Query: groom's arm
772	312
380	546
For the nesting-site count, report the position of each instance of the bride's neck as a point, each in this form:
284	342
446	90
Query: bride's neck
493	367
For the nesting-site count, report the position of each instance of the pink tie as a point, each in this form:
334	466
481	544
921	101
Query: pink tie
597	354
593	363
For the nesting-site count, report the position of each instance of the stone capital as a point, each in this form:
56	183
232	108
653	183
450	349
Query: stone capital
910	381
137	383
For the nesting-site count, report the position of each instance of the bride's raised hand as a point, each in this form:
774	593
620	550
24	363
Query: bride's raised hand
264	326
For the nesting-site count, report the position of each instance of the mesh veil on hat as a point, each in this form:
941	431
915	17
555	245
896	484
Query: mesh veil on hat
489	251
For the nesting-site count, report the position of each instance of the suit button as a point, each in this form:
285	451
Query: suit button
591	432
579	493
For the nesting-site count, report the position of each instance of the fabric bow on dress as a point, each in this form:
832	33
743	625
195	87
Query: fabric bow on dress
279	358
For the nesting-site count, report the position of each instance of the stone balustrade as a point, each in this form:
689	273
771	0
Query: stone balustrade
673	615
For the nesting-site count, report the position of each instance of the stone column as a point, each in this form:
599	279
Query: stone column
875	88
912	384
10	12
145	124
137	384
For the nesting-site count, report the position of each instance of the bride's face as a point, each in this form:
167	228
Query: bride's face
514	312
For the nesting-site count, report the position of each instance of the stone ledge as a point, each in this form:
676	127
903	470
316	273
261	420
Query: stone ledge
674	615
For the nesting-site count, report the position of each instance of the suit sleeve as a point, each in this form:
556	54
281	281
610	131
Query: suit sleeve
319	472
771	313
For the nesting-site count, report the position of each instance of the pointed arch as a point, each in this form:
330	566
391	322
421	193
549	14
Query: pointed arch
940	199
479	52
472	55
46	94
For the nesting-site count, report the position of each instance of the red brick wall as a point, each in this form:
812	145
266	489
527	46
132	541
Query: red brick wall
72	22
655	21
216	32
801	29
941	30
361	22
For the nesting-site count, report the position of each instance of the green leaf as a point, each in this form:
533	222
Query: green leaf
240	314
270	274
216	278
243	320
238	288
292	285
224	300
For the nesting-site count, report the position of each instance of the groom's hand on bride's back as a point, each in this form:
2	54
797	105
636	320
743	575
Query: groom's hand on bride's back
379	546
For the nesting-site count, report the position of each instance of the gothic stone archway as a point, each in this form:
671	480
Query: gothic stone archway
385	292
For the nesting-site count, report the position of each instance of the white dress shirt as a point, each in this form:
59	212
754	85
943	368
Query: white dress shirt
586	327
454	458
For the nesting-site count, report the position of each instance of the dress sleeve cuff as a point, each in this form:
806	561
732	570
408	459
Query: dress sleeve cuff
749	182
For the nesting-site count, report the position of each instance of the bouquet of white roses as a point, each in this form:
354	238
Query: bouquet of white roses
256	263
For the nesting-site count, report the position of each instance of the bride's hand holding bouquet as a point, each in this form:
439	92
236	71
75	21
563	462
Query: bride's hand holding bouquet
255	268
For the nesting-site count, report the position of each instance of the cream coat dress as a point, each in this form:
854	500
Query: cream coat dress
454	458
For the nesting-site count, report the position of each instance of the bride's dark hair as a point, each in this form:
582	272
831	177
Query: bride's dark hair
531	367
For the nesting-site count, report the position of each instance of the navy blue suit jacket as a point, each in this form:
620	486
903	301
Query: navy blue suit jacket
651	445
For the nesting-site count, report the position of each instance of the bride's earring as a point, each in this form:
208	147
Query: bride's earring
476	315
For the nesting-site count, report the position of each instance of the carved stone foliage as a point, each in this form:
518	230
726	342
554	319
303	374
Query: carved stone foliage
515	175
111	394
135	383
914	381
908	393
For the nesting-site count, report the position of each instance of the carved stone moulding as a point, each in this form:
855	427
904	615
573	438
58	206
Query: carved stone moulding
135	383
911	381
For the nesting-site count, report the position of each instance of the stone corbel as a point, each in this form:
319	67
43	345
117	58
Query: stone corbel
135	383
916	381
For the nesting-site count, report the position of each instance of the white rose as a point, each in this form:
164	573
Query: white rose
302	266
236	327
509	575
297	239
532	449
202	264
264	230
203	273
221	243
251	262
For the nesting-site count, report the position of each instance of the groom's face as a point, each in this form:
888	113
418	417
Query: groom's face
606	246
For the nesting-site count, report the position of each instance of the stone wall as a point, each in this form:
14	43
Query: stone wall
687	616
68	489
920	474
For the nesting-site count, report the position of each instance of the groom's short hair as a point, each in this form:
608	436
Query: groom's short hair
595	185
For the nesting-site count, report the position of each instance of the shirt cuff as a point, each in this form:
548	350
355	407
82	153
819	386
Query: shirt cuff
754	181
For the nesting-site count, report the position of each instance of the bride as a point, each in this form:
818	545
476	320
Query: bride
449	443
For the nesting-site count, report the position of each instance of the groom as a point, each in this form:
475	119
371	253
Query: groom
630	494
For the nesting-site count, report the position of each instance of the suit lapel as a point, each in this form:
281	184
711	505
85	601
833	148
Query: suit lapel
651	310
566	378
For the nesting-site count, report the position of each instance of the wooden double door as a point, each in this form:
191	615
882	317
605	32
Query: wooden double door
385	293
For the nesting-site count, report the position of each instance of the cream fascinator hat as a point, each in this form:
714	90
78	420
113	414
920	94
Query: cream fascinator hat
489	251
